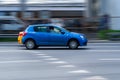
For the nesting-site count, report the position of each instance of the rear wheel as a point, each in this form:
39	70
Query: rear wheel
30	44
73	44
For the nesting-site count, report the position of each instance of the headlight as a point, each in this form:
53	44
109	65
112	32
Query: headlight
82	36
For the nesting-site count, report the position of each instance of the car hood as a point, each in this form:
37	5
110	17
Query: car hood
74	33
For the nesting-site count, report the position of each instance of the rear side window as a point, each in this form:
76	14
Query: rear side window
40	28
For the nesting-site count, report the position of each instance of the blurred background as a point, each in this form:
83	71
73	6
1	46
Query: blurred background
95	18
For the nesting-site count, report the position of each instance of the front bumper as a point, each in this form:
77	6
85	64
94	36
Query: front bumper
83	42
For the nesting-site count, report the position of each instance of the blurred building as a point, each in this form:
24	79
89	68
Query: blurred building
56	8
44	9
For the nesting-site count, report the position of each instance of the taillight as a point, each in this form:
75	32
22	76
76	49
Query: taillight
22	33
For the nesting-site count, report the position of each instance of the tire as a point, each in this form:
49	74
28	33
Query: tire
30	44
73	44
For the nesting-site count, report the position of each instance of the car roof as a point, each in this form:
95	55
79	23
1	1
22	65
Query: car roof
45	25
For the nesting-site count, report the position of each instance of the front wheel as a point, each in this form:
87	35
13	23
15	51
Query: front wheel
73	44
30	44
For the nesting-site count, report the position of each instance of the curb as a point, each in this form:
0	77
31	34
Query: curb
102	41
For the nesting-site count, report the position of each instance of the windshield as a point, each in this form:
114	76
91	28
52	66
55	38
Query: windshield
64	29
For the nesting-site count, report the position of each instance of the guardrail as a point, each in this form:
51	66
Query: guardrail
8	35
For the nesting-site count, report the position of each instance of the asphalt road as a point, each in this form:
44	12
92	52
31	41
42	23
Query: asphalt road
97	61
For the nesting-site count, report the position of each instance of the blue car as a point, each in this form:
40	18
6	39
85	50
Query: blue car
50	35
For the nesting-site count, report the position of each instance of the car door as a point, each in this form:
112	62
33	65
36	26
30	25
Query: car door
42	35
56	37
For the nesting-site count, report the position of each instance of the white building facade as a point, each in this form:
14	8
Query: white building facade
112	8
102	7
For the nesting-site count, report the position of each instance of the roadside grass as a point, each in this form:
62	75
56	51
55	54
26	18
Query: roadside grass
8	39
104	33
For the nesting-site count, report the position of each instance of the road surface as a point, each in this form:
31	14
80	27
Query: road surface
97	61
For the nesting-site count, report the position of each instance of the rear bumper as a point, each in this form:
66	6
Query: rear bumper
20	39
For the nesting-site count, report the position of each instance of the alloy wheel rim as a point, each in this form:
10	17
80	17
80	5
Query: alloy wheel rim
73	44
30	44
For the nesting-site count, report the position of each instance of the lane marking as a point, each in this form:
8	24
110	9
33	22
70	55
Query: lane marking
14	51
95	78
41	54
51	59
104	50
102	46
35	52
110	59
20	61
58	62
67	66
79	71
105	43
46	56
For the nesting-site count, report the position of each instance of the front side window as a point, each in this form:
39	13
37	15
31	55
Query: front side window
54	29
40	28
